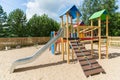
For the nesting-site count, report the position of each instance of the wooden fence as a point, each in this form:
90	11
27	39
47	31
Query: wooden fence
25	41
114	41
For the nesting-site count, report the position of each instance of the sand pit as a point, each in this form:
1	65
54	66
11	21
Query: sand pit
51	67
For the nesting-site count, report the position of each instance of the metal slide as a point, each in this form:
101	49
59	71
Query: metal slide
38	53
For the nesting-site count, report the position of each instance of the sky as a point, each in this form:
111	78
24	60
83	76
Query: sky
31	7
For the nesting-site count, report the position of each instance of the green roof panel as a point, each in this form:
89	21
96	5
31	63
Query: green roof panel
98	14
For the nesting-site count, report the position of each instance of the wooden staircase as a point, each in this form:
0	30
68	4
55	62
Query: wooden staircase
89	65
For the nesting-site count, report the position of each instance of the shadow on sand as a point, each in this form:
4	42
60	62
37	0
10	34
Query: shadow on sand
110	55
41	66
114	55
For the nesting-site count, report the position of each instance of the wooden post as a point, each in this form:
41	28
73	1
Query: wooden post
72	36
107	36
65	46
99	35
72	54
62	45
71	25
55	45
59	47
77	26
91	38
67	30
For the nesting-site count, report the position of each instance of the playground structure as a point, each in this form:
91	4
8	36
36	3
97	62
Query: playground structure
85	57
67	37
100	15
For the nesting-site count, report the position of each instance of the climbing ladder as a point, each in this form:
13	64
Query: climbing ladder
89	65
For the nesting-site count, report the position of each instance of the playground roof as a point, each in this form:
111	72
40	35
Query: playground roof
98	14
72	10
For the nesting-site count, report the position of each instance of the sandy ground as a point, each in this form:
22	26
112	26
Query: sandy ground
51	67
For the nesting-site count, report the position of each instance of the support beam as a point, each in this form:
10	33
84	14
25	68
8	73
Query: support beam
87	29
62	44
99	35
72	35
67	30
91	38
91	30
84	30
71	26
78	22
84	27
107	36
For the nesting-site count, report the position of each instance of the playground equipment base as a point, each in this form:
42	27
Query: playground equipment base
88	69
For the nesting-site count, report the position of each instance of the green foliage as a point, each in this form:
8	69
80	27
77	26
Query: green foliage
3	19
41	26
3	16
17	21
91	6
115	30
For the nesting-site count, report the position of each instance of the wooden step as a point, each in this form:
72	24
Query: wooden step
83	63
93	72
88	67
75	44
82	54
73	41
84	59
76	47
81	51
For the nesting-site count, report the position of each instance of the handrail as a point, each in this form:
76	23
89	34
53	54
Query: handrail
91	30
88	29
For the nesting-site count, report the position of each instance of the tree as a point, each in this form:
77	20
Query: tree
3	19
91	6
88	8
116	28
41	26
17	21
3	16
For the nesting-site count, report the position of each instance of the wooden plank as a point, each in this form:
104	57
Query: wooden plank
76	47
90	30
83	58
67	15
81	55
62	45
107	37
72	54
83	63
81	51
94	71
99	35
88	67
92	37
85	27
77	22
